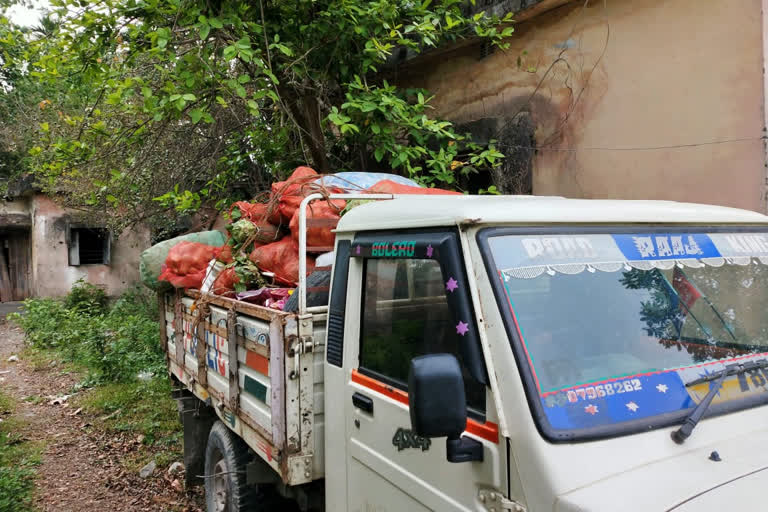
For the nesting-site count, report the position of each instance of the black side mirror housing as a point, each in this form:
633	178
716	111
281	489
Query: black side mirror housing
438	405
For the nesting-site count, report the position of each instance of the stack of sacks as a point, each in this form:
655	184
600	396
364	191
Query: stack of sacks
265	237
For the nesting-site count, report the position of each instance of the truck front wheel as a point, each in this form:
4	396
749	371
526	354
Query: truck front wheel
226	458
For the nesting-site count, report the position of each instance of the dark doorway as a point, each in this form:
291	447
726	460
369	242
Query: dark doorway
15	257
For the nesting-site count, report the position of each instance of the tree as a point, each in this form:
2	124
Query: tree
171	104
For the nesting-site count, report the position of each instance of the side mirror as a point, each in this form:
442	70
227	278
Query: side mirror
438	405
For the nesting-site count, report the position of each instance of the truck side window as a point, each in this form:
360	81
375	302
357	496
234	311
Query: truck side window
406	314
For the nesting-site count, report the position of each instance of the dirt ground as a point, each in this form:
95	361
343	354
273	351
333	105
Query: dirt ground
81	466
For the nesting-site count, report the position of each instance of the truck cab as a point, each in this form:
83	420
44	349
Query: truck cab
531	354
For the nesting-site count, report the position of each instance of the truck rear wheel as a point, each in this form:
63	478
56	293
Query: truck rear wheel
226	458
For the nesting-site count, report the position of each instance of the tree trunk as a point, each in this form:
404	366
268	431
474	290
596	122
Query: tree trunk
306	111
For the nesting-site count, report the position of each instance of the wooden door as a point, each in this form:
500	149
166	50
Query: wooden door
15	266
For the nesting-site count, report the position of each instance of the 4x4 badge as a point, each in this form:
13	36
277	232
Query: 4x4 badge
405	438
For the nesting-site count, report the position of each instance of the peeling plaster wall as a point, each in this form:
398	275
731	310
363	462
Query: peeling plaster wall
19	206
624	74
51	274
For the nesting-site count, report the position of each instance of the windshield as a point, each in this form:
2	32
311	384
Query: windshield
612	327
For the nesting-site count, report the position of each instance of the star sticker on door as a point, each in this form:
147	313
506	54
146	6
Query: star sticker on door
632	406
430	250
591	409
357	250
462	328
662	388
451	285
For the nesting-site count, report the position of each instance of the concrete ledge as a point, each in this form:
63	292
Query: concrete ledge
15	220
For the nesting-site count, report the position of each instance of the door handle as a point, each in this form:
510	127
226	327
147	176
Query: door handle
362	402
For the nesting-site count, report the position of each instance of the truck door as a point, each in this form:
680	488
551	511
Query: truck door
414	301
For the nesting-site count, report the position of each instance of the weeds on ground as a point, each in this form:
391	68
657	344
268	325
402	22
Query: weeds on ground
117	347
18	459
114	344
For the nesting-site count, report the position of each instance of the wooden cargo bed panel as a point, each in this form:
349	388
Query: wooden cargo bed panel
275	400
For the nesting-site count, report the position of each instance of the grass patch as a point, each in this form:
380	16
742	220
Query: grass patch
138	408
18	459
117	350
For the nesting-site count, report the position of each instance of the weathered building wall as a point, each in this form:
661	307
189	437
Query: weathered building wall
52	274
617	75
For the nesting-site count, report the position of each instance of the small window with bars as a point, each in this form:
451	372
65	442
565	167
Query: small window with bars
89	246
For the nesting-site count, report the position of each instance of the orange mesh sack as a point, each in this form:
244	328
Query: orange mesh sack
225	282
282	259
187	263
252	224
287	195
391	187
322	217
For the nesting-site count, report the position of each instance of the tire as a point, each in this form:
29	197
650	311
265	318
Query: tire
226	458
318	283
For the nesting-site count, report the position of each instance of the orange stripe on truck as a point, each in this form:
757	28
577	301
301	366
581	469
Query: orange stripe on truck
257	362
488	430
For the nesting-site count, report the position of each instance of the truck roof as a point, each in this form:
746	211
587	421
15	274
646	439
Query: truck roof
411	211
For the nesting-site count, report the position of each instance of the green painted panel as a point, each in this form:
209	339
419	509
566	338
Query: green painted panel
256	388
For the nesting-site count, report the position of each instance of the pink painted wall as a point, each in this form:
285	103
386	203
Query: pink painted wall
52	275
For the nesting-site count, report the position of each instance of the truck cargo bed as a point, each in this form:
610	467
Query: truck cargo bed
260	369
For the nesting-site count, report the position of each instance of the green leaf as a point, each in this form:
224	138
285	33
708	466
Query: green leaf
189	97
195	115
205	29
229	53
215	23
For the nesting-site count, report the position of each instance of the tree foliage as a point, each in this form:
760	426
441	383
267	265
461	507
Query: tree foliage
166	105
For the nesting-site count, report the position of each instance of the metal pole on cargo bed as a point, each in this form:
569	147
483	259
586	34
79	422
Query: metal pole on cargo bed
303	236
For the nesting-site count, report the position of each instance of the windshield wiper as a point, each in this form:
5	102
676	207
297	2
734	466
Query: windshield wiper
690	422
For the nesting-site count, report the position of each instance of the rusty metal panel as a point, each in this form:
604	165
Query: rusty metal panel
178	329
234	366
277	374
292	401
200	344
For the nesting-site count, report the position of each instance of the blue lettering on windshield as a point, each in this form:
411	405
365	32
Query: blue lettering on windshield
661	246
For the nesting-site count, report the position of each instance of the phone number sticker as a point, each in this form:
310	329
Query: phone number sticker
603	390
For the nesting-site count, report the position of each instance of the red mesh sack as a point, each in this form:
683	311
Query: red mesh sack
186	264
256	213
225	253
322	217
252	211
282	259
287	195
391	187
225	282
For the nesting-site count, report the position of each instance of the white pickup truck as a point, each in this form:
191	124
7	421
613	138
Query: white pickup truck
492	354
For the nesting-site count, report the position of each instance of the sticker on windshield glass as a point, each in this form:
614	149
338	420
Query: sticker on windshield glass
732	245
642	396
658	246
616	401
